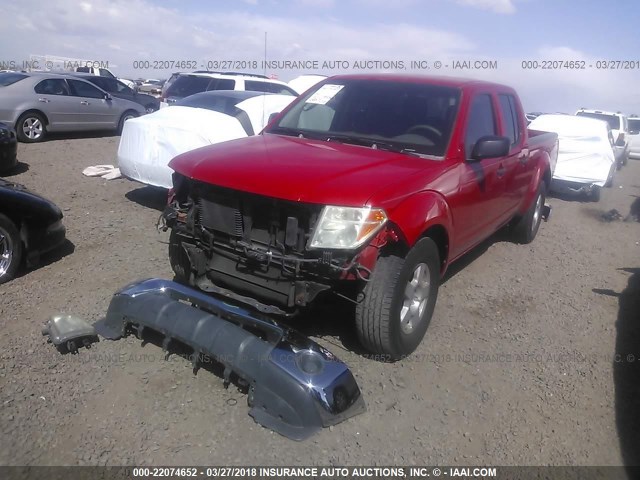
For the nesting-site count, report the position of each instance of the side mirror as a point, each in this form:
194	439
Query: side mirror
491	146
108	97
620	142
272	116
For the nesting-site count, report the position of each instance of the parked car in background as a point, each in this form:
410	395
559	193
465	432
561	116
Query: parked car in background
8	148
586	160
151	87
148	143
619	128
367	187
30	225
190	83
118	89
104	72
38	103
634	137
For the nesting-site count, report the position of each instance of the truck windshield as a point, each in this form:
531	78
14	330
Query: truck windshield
393	115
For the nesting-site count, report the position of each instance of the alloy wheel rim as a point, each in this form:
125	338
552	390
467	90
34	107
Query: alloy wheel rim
537	213
32	128
416	296
6	252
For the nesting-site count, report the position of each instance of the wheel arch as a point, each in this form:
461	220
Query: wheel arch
33	110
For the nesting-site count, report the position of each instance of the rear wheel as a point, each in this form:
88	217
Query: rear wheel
128	115
400	297
10	249
527	227
31	128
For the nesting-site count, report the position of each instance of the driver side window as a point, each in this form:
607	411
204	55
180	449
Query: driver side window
480	122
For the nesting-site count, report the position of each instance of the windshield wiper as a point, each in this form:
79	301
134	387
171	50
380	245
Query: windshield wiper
375	144
292	132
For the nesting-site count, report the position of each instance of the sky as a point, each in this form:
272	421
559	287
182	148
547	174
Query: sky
517	37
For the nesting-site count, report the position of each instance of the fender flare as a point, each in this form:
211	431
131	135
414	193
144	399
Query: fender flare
421	213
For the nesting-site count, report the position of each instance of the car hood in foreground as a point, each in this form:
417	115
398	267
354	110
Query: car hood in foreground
14	196
300	169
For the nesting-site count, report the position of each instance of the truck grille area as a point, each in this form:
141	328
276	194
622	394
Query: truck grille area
235	216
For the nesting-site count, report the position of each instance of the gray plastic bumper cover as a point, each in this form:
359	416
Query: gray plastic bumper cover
295	386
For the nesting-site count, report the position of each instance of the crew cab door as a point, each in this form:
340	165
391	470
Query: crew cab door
518	168
480	200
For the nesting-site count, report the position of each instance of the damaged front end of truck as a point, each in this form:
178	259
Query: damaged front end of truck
275	255
295	386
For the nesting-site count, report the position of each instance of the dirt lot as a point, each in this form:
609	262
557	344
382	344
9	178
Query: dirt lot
518	367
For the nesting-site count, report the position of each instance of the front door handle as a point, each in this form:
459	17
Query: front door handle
84	102
501	171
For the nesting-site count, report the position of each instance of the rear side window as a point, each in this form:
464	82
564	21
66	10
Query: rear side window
634	125
84	89
510	117
83	70
254	86
222	84
186	85
481	122
106	73
10	78
52	86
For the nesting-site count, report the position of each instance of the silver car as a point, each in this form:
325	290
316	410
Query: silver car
37	103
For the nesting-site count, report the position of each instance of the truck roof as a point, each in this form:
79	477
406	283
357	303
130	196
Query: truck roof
454	82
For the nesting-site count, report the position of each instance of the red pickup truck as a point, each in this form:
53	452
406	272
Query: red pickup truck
368	187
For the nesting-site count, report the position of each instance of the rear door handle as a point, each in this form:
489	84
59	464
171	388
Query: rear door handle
84	102
501	171
44	100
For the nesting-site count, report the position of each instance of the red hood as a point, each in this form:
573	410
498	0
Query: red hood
299	169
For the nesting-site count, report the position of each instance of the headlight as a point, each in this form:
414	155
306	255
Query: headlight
346	227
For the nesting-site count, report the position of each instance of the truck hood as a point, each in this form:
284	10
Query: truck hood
299	169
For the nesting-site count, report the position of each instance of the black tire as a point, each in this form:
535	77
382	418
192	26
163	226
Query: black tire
11	245
36	122
379	321
126	116
609	182
595	194
179	260
527	227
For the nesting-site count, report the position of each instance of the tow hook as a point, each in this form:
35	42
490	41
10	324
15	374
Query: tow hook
546	212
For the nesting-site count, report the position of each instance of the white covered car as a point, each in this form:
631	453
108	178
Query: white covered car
586	160
149	142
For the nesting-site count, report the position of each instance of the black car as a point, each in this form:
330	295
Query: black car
8	148
118	89
29	226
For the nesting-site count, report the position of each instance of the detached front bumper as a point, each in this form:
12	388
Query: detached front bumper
295	386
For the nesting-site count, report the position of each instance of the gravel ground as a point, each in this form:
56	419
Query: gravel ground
518	366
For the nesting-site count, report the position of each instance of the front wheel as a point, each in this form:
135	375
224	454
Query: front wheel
10	249
399	300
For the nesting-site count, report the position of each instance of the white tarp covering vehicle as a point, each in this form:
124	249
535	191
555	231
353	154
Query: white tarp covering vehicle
586	160
149	142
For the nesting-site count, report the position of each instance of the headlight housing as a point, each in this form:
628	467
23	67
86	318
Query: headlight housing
346	227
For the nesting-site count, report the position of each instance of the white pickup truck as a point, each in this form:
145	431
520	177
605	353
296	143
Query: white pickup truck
104	72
